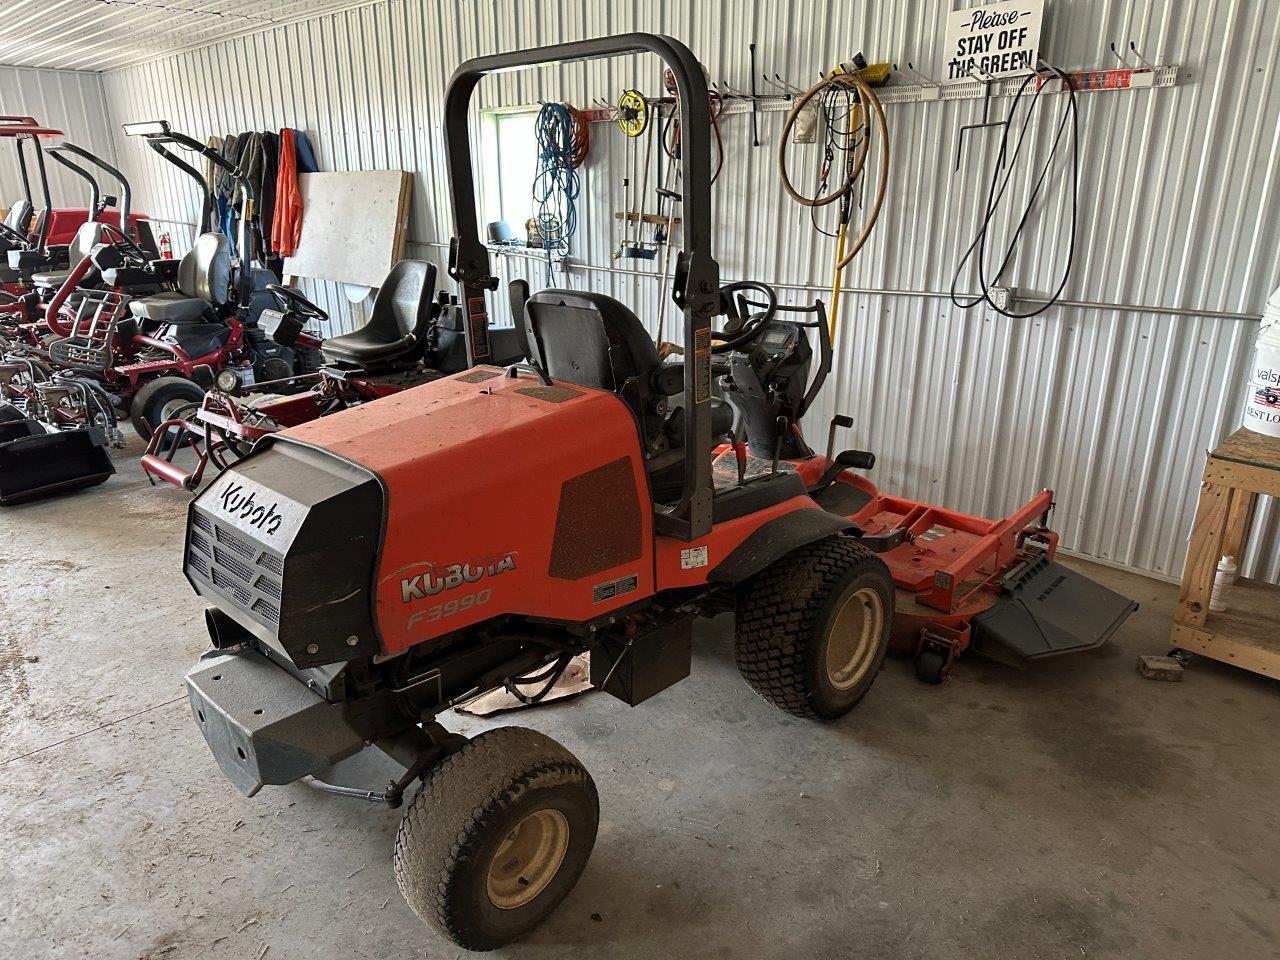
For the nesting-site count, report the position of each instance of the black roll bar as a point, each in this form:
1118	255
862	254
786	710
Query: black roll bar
125	205
695	289
157	133
43	237
22	167
95	195
206	192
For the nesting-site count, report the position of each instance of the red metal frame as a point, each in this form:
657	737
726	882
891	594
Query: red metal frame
221	421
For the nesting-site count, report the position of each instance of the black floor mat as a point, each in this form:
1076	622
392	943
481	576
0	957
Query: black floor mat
842	499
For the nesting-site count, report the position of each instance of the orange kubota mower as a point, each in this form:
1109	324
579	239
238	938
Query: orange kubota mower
371	569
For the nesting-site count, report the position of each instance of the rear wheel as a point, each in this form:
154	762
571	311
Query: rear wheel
813	628
497	836
160	400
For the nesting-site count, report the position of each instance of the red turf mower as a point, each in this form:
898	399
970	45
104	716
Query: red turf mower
144	352
395	350
36	317
371	569
381	358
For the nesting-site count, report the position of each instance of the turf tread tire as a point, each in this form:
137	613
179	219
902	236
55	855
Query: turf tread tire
442	835
147	397
780	611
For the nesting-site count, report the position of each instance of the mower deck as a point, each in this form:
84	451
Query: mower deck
964	581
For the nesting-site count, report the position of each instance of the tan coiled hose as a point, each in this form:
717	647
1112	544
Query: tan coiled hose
867	107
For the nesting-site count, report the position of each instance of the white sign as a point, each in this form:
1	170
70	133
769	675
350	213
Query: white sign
994	40
693	557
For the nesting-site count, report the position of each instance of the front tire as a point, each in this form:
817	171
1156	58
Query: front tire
497	837
813	627
159	401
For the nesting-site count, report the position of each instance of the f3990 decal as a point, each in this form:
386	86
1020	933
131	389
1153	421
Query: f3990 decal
439	577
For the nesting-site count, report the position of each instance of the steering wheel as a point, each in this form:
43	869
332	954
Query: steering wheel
290	300
123	239
740	329
17	236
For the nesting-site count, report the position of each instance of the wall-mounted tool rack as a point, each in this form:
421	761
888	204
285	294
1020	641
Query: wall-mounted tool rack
1085	81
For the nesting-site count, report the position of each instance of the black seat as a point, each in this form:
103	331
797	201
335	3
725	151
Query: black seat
204	281
87	237
19	219
589	339
398	324
594	341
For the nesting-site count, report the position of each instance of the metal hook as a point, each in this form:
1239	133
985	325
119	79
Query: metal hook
981	76
774	82
1141	59
788	85
920	78
1119	56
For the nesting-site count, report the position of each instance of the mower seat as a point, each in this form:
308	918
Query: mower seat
398	324
18	218
170	306
204	281
594	341
87	237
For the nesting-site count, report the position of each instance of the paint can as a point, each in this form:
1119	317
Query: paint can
1262	406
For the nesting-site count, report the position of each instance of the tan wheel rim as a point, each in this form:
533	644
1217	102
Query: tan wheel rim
530	855
853	638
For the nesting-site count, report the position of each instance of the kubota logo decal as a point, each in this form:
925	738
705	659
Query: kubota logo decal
437	578
237	503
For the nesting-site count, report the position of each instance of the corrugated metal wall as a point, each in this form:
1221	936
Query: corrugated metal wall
68	100
1110	402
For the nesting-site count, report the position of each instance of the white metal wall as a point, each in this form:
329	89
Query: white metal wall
1111	402
67	100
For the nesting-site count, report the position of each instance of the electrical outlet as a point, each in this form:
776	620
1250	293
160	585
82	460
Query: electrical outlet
1002	297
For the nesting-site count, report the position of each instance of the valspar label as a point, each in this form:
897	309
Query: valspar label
1262	404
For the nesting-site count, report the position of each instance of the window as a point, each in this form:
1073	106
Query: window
508	163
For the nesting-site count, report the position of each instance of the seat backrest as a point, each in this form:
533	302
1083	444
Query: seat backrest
589	339
205	271
19	216
39	224
402	307
88	236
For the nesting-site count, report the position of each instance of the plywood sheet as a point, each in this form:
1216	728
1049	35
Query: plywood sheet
353	225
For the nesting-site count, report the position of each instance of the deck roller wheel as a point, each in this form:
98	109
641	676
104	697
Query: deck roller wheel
931	666
813	628
497	837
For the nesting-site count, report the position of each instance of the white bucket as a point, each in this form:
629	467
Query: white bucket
1262	406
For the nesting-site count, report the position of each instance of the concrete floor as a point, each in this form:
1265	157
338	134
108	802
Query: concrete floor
1070	810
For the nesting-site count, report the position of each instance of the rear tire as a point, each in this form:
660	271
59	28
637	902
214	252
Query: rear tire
813	627
159	400
497	837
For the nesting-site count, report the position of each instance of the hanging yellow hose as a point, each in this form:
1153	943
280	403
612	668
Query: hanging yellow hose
868	107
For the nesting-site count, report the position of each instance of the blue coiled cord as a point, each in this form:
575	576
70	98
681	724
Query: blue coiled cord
556	185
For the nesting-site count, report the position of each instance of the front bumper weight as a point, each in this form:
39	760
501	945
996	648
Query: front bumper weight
263	725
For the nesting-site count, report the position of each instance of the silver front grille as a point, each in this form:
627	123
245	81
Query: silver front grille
245	574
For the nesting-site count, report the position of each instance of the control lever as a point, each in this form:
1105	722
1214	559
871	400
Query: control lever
856	459
839	420
783	424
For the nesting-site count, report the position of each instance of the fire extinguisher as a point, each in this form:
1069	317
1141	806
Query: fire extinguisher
166	247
